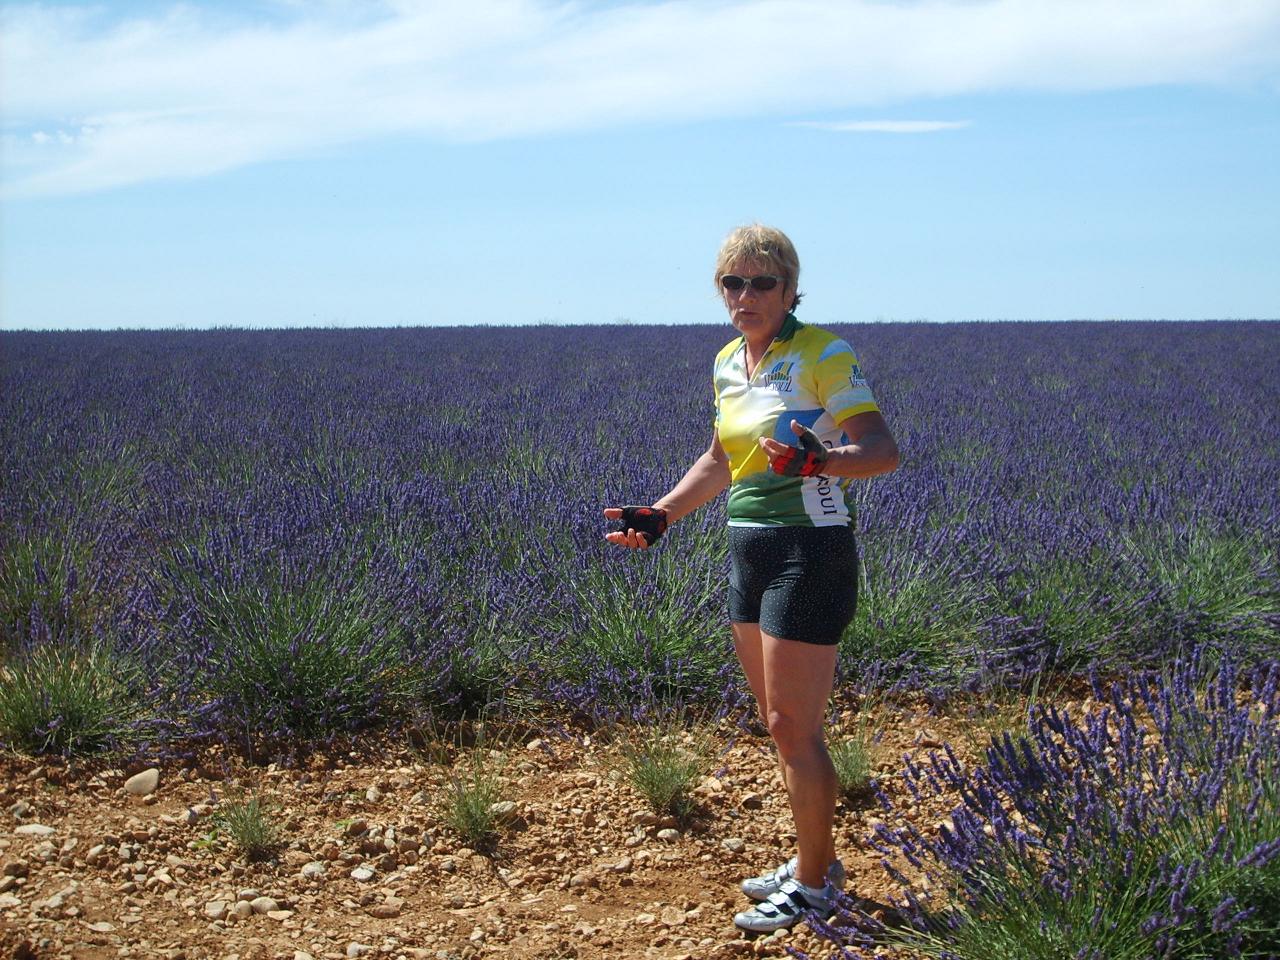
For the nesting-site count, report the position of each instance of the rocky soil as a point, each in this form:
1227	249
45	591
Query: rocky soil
99	863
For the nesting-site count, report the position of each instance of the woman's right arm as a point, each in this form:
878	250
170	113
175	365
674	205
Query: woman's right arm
702	482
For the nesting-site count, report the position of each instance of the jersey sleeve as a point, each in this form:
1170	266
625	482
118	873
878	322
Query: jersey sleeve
723	357
842	389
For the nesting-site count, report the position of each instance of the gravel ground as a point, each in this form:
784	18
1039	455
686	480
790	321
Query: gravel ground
580	868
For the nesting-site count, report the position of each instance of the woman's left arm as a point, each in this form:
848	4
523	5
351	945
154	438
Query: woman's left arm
871	449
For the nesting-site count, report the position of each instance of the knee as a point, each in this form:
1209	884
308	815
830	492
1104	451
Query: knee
793	738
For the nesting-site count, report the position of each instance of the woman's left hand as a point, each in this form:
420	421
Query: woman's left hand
804	460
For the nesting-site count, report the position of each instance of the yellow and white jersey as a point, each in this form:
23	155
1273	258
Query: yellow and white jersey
808	375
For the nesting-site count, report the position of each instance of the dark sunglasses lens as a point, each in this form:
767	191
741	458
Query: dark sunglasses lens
730	282
764	283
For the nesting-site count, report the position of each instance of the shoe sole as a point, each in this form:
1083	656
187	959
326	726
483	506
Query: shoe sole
785	926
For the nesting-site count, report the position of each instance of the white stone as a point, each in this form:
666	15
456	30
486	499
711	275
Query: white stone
144	783
263	905
503	810
33	830
362	874
216	909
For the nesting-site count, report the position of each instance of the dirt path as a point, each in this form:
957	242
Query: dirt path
581	869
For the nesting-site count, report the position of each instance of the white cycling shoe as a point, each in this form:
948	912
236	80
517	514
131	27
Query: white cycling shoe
786	906
767	884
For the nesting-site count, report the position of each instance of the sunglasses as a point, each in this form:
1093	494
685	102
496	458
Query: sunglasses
731	281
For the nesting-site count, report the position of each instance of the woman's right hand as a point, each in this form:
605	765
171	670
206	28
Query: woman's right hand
649	524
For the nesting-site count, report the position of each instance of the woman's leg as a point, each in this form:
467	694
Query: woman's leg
797	681
749	647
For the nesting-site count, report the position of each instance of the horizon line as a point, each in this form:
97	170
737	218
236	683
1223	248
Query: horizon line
229	328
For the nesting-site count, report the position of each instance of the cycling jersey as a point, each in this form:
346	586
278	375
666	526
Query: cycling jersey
808	375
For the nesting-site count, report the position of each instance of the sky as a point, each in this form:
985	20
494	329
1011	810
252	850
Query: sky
279	163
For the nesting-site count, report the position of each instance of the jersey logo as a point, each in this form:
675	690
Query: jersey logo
780	376
856	379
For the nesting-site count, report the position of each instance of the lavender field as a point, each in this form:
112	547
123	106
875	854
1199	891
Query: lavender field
294	534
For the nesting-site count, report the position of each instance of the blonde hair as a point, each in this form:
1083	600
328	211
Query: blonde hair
757	243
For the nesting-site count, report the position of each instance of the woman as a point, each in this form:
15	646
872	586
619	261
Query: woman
795	423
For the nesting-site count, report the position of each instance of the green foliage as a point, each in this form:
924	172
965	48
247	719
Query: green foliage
1107	910
473	788
1229	585
918	606
107	476
44	572
70	697
853	753
1081	605
664	762
249	824
635	616
310	659
851	757
1157	840
477	675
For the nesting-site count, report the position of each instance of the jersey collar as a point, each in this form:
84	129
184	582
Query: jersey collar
789	327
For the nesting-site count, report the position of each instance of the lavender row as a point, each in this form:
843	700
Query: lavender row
307	531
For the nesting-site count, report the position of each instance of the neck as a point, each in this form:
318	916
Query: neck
758	341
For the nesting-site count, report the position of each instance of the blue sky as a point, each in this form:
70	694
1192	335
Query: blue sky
522	161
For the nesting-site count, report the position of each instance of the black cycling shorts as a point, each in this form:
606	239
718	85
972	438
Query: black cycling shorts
798	583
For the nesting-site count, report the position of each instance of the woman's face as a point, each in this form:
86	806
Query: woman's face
757	314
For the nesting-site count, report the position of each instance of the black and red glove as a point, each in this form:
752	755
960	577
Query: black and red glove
649	522
805	460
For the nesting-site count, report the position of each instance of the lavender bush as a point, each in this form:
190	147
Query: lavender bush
41	583
289	649
1148	828
62	694
412	516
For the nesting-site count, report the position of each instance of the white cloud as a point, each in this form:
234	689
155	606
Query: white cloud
190	91
883	126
